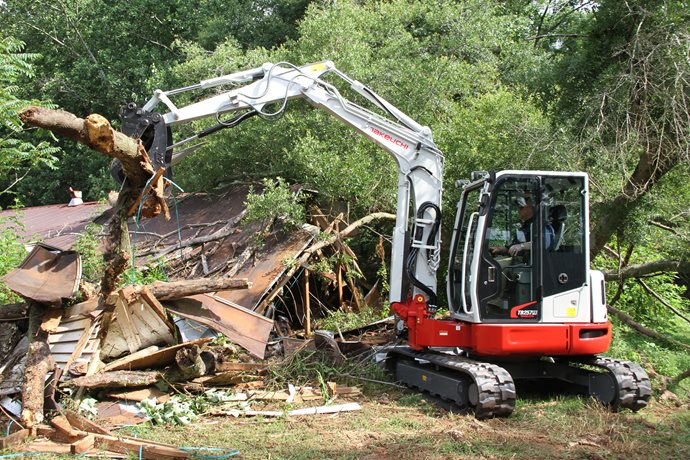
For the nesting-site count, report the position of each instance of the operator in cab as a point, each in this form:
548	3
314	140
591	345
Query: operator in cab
523	238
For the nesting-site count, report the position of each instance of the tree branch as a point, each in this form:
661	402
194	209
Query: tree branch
651	292
625	318
655	267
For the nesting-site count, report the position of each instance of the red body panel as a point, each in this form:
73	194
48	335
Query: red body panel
540	339
508	339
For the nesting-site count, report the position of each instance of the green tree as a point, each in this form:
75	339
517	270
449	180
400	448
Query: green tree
433	60
19	151
95	55
622	85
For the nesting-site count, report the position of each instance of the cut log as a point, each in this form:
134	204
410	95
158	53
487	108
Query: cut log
178	289
39	362
115	379
152	358
189	364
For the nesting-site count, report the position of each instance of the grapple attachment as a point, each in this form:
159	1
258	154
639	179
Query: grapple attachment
154	134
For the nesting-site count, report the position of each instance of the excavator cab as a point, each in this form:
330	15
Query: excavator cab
520	256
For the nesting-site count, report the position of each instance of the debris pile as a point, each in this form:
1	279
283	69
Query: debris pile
211	335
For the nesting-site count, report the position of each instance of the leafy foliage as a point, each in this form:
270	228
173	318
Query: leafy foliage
88	247
19	151
12	252
144	274
344	321
276	201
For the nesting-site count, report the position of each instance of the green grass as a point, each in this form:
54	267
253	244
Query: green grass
659	359
400	426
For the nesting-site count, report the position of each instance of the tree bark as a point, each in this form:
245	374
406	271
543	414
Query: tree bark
116	379
189	364
13	312
178	289
38	363
96	133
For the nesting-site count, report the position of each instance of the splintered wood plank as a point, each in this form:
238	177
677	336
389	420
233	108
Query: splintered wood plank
45	446
153	303
140	395
83	445
122	363
227	378
144	449
63	426
84	424
52	319
234	366
14	439
156	359
124	319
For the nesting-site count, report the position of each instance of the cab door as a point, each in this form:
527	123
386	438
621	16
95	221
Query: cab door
509	269
462	297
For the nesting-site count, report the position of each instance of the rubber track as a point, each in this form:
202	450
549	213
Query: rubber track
634	387
495	385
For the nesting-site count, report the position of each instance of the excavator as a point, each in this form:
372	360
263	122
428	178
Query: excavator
523	305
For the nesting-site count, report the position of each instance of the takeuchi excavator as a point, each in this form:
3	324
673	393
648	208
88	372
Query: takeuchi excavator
522	302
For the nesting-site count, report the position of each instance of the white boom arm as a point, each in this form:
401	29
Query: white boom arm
419	161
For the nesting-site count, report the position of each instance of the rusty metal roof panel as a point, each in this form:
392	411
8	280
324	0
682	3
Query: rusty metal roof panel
57	225
47	275
269	266
199	214
211	213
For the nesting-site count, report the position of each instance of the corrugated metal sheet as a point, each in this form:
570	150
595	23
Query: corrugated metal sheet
57	225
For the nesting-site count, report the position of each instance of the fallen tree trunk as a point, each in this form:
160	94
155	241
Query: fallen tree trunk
189	364
649	268
13	312
38	363
95	132
178	289
644	330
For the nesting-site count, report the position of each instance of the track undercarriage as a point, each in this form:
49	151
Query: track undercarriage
489	388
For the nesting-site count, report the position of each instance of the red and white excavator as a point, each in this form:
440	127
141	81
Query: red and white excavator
523	304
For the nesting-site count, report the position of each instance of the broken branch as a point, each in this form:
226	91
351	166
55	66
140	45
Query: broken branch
178	289
625	318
